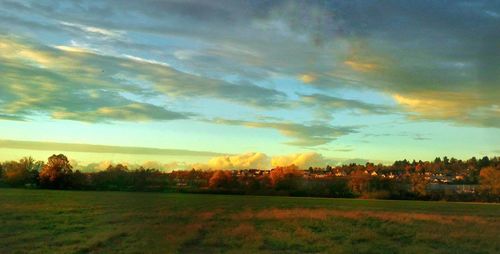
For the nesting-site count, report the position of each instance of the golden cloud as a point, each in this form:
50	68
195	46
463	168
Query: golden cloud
459	108
301	160
307	78
360	66
430	106
242	161
257	160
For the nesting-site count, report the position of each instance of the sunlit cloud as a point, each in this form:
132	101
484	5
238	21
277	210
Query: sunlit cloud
242	161
94	167
260	160
74	49
255	160
458	108
301	160
360	66
307	78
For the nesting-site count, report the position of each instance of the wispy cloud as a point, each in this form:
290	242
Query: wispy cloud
302	134
90	148
93	31
85	86
326	105
11	117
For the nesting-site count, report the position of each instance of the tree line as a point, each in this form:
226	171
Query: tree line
424	180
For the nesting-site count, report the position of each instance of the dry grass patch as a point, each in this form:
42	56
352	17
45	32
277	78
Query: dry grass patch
323	214
306	234
205	215
243	230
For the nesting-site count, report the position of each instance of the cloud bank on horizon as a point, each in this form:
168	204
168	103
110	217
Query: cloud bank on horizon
378	80
252	160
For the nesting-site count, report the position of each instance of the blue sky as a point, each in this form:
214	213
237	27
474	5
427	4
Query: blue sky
249	83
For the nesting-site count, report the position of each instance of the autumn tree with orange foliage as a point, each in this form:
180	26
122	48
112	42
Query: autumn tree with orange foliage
359	182
221	179
286	178
418	185
490	181
22	172
56	174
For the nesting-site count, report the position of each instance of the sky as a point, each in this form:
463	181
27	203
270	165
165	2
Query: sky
245	84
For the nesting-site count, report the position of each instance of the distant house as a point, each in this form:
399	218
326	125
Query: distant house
440	178
340	173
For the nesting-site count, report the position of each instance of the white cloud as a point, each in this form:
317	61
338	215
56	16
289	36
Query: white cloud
95	31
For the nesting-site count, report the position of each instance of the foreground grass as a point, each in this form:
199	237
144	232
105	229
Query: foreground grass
41	221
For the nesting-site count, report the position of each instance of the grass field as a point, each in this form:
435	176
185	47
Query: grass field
41	221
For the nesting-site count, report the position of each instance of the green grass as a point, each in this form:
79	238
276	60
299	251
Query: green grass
42	221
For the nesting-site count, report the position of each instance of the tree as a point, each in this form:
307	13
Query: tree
78	180
490	181
418	184
22	172
113	178
221	179
359	182
328	168
56	173
285	178
484	162
437	160
446	161
339	187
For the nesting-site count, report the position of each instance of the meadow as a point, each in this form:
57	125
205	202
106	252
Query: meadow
48	221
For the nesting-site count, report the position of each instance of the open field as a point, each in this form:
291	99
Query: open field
41	221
